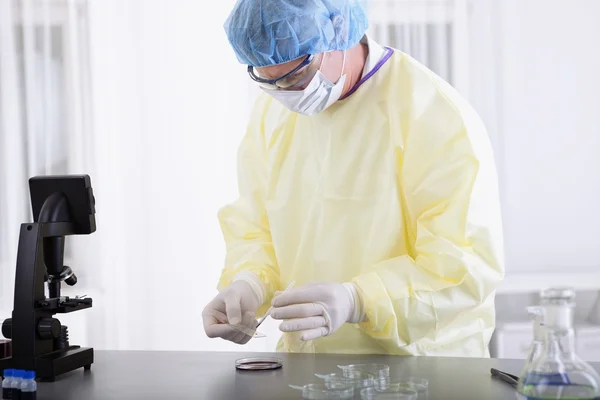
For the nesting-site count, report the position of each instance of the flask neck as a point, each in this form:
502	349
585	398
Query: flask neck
558	317
559	334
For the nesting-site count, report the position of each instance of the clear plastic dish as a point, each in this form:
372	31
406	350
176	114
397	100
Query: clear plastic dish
320	391
377	370
381	382
360	380
417	383
421	386
398	393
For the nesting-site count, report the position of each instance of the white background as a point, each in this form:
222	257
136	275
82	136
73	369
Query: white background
551	134
168	104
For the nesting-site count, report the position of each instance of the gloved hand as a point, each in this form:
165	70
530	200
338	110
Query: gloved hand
317	309
236	305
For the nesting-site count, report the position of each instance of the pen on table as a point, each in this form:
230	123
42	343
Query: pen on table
512	380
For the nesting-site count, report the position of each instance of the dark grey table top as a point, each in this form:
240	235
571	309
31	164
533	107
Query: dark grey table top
199	375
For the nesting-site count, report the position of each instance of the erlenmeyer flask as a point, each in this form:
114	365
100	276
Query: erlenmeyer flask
558	373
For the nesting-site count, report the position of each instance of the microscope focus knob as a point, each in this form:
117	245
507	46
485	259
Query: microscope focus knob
48	328
7	328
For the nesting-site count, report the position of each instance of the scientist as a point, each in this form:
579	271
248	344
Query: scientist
365	179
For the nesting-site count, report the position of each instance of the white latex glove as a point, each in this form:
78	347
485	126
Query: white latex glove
236	305
317	309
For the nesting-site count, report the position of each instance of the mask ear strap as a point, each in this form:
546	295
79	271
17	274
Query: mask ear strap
343	64
321	63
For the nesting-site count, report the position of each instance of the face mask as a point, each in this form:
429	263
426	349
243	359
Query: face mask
316	97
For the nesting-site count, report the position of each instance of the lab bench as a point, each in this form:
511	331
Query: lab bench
210	375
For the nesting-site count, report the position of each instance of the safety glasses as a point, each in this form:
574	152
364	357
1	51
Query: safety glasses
289	80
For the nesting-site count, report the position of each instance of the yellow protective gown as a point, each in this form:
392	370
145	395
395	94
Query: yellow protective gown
394	189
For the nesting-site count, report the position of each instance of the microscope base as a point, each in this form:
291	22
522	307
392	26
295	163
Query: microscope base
50	366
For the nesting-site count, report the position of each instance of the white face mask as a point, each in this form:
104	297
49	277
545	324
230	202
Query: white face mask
316	97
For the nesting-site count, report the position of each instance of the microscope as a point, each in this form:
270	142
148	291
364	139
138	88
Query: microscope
62	206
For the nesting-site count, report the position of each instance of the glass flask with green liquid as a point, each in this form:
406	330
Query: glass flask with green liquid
557	373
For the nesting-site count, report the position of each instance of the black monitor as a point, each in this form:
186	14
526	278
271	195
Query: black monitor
77	189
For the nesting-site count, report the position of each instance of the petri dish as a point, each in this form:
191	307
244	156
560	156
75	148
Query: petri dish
377	370
418	383
320	391
381	382
258	363
389	394
421	386
360	380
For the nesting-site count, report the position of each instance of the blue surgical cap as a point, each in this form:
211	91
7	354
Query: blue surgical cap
270	32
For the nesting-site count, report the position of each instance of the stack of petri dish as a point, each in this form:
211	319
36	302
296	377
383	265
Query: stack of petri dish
369	381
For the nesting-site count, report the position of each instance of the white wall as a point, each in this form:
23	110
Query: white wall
170	105
170	110
551	134
549	158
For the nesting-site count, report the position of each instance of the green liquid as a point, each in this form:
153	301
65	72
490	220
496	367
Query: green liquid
559	392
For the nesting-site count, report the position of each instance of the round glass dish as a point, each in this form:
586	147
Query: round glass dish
397	393
377	370
258	363
421	386
320	391
358	380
